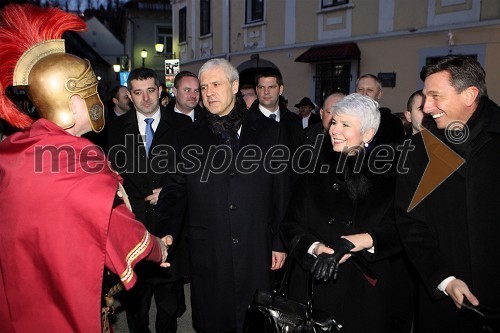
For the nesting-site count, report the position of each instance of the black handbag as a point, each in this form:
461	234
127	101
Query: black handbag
273	312
487	319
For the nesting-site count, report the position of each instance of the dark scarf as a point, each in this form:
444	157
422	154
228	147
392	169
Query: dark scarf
460	140
226	127
356	178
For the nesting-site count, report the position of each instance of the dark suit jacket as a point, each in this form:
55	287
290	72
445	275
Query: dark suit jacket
127	154
313	119
290	127
199	112
455	231
142	174
391	129
234	215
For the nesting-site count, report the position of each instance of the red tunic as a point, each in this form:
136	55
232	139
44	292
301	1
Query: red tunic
58	229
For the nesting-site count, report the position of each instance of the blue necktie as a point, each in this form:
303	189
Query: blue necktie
149	133
272	116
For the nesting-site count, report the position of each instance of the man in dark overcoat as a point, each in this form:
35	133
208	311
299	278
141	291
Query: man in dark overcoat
142	169
452	237
234	207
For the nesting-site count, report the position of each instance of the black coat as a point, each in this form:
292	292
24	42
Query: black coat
455	231
127	154
142	174
289	123
313	119
391	129
233	221
321	210
199	112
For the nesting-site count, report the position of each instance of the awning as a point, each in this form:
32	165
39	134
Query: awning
329	52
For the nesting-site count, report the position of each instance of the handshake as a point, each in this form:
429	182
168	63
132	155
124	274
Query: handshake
165	244
327	264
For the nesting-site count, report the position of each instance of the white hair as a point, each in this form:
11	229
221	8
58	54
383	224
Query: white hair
363	107
231	72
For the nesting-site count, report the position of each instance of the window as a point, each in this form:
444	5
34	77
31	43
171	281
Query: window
332	77
182	25
254	11
331	3
204	17
164	36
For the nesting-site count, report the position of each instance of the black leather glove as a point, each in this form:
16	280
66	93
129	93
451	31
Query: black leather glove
328	264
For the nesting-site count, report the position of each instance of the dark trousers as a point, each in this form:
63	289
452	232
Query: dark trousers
170	304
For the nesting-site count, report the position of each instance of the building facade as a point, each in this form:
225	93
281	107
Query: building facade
322	46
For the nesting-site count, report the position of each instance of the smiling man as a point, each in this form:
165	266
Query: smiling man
453	236
234	247
187	95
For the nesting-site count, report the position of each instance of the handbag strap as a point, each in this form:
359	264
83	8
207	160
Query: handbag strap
287	268
286	277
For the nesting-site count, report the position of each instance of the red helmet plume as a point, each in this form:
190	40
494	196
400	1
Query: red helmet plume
22	27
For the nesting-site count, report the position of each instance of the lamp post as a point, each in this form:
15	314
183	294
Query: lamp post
144	55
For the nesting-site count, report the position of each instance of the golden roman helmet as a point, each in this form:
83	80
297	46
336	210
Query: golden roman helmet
52	77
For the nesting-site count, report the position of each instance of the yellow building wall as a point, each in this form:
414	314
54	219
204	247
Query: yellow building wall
275	28
399	54
306	28
365	17
410	15
237	19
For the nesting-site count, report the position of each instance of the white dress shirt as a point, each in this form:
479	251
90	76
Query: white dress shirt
142	124
267	113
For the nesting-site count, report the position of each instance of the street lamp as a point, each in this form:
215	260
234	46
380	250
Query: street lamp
159	47
116	68
144	55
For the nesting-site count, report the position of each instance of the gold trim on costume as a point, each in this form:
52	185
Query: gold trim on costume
127	275
32	55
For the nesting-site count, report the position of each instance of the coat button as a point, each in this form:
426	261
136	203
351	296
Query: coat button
232	207
330	221
235	241
348	223
336	186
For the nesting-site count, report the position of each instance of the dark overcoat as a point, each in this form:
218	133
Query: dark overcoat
289	123
321	210
233	217
142	173
455	231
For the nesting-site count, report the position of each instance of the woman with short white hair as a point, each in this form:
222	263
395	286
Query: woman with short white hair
344	220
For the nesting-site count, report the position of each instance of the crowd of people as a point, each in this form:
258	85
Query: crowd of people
214	181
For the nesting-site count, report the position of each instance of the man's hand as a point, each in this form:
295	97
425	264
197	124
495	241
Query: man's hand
166	242
278	259
153	198
457	289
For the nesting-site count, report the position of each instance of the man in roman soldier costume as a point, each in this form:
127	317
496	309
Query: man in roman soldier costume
63	216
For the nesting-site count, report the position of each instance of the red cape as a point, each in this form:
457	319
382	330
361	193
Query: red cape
57	231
